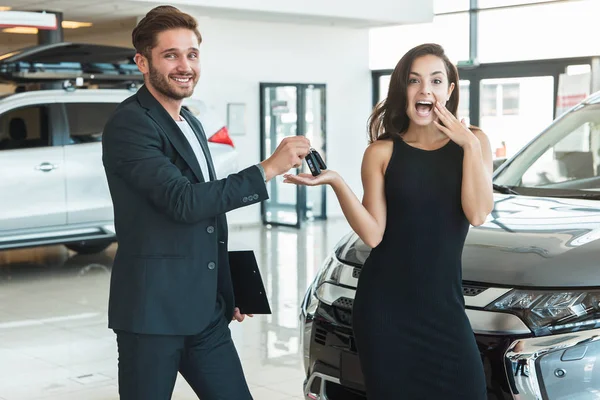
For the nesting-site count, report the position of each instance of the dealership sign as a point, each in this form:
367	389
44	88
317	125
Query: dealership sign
10	19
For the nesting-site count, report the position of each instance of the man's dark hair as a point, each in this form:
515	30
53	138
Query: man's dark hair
160	19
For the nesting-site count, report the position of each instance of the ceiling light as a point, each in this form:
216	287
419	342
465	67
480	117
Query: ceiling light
75	24
5	8
21	29
33	31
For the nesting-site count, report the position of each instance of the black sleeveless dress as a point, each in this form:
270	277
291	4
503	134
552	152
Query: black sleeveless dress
413	336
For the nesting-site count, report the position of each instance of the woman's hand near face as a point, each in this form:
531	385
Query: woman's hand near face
456	130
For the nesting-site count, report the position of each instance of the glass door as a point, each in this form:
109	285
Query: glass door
290	110
314	130
279	111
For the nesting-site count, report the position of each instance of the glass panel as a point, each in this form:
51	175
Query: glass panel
572	158
388	44
26	127
566	156
510	98
513	111
464	100
87	120
573	88
489	100
384	85
280	121
315	132
567	29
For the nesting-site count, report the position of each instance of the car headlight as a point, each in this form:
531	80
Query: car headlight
310	303
552	311
329	272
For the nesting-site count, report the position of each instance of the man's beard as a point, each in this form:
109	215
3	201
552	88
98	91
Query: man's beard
161	84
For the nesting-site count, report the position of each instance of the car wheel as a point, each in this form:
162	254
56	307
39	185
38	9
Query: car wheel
89	246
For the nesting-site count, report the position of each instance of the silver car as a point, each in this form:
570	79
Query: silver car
53	189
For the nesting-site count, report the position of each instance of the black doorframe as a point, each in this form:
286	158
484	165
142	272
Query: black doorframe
301	198
517	69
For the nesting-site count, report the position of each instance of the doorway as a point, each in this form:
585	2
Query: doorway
291	110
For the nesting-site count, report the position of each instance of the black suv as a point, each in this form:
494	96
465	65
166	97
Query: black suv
531	278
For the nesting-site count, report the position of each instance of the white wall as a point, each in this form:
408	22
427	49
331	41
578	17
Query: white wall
237	56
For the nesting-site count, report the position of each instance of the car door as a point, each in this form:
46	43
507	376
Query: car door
32	171
88	196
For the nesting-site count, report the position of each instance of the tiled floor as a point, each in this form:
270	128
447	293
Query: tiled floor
54	340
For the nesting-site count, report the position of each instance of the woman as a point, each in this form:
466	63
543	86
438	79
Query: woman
426	176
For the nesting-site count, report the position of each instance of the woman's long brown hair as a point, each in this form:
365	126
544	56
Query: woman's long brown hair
389	117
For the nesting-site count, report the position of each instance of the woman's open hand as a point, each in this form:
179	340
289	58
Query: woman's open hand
326	177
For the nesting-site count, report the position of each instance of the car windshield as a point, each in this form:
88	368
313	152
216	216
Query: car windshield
563	161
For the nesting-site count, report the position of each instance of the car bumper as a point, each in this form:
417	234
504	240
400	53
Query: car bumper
555	367
524	367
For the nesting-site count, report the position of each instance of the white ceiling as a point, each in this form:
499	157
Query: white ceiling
82	10
109	10
109	16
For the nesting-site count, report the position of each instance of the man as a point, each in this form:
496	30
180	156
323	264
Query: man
171	295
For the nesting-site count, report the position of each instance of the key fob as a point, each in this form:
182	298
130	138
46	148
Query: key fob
319	159
315	162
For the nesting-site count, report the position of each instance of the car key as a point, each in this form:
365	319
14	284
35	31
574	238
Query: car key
315	162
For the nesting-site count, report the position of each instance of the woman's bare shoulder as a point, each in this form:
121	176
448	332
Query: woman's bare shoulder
381	146
378	153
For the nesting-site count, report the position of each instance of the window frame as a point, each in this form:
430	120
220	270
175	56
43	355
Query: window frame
64	107
54	122
516	69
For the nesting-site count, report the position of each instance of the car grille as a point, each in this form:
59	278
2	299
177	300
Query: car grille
321	336
342	307
472	290
344	303
468	290
343	310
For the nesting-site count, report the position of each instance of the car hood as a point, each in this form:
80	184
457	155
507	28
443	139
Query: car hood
526	242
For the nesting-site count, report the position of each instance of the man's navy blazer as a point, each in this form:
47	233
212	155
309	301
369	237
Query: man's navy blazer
171	259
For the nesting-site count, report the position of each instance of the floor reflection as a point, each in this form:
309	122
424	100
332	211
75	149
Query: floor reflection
54	340
53	261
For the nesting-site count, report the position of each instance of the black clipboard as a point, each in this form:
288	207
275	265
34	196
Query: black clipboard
248	288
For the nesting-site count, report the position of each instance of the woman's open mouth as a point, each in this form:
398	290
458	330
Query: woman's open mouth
424	108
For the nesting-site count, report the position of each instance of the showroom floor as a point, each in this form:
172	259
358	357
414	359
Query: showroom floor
54	340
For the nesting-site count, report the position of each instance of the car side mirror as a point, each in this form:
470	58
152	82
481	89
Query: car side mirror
498	162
